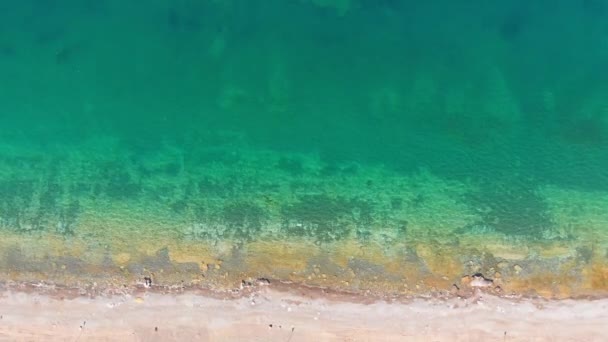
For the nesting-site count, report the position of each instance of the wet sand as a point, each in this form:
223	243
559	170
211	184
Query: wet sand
291	313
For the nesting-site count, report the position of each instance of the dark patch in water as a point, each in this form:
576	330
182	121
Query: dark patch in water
66	54
244	219
514	24
513	208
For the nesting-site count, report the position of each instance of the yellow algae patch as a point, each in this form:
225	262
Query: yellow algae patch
190	253
546	292
267	256
508	252
547	285
515	252
496	245
596	276
8	239
122	259
45	246
94	257
442	261
435	281
342	252
562	292
555	250
539	284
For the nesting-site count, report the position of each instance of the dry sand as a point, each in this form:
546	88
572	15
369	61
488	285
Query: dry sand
270	313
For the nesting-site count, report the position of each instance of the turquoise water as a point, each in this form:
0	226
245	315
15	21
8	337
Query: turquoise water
320	119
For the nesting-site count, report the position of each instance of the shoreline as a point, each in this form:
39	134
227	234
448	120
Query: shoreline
288	312
94	291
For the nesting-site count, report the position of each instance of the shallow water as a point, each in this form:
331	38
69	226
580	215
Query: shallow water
375	140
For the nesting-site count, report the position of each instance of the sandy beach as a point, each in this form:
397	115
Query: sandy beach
291	313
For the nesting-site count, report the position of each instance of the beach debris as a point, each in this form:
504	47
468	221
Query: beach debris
478	280
147	281
251	283
81	330
263	281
